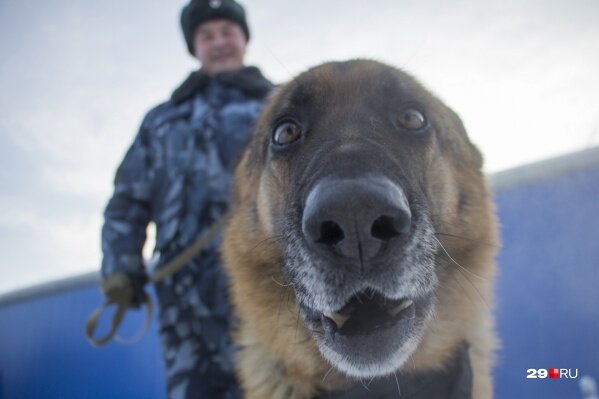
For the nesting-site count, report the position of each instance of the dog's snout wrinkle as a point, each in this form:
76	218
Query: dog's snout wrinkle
355	218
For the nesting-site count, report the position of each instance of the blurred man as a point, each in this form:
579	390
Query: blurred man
177	174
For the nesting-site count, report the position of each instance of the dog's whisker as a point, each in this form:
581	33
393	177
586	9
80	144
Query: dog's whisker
364	385
279	307
463	290
327	374
289	304
412	362
267	240
272	54
281	284
359	298
467	239
466	291
370	382
306	328
397	383
466	277
462	267
476	289
284	300
297	324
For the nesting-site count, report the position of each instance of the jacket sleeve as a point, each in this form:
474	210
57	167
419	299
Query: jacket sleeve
129	211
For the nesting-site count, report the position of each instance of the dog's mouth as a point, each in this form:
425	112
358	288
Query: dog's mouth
365	313
371	334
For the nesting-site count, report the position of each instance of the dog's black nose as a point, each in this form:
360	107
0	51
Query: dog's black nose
355	218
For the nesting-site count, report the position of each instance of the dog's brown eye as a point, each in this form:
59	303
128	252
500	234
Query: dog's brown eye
286	133
411	119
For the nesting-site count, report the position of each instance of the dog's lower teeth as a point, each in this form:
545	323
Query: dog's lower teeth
403	305
337	318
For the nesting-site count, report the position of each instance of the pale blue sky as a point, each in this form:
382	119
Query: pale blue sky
77	76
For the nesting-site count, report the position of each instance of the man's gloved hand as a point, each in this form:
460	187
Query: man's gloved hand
123	291
126	289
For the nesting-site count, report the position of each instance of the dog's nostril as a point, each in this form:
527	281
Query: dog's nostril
330	233
384	229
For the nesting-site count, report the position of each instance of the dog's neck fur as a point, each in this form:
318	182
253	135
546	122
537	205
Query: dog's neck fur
453	382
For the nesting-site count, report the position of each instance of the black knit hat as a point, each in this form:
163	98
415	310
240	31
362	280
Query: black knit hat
198	11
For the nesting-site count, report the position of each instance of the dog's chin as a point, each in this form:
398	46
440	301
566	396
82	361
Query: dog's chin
371	335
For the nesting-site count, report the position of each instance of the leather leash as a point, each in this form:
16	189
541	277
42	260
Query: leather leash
119	292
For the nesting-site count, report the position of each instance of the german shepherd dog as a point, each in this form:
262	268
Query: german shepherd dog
361	242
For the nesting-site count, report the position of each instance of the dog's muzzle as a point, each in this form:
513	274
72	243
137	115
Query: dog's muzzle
370	298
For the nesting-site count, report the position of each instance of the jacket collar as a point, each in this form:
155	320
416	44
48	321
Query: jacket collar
452	382
249	80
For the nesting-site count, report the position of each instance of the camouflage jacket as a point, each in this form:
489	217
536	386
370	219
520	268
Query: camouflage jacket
178	169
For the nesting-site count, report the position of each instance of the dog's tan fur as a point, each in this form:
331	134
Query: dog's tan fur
278	357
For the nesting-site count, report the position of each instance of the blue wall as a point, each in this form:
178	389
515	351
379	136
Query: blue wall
44	353
548	289
547	311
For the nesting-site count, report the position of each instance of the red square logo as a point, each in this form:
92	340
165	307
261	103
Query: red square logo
553	373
